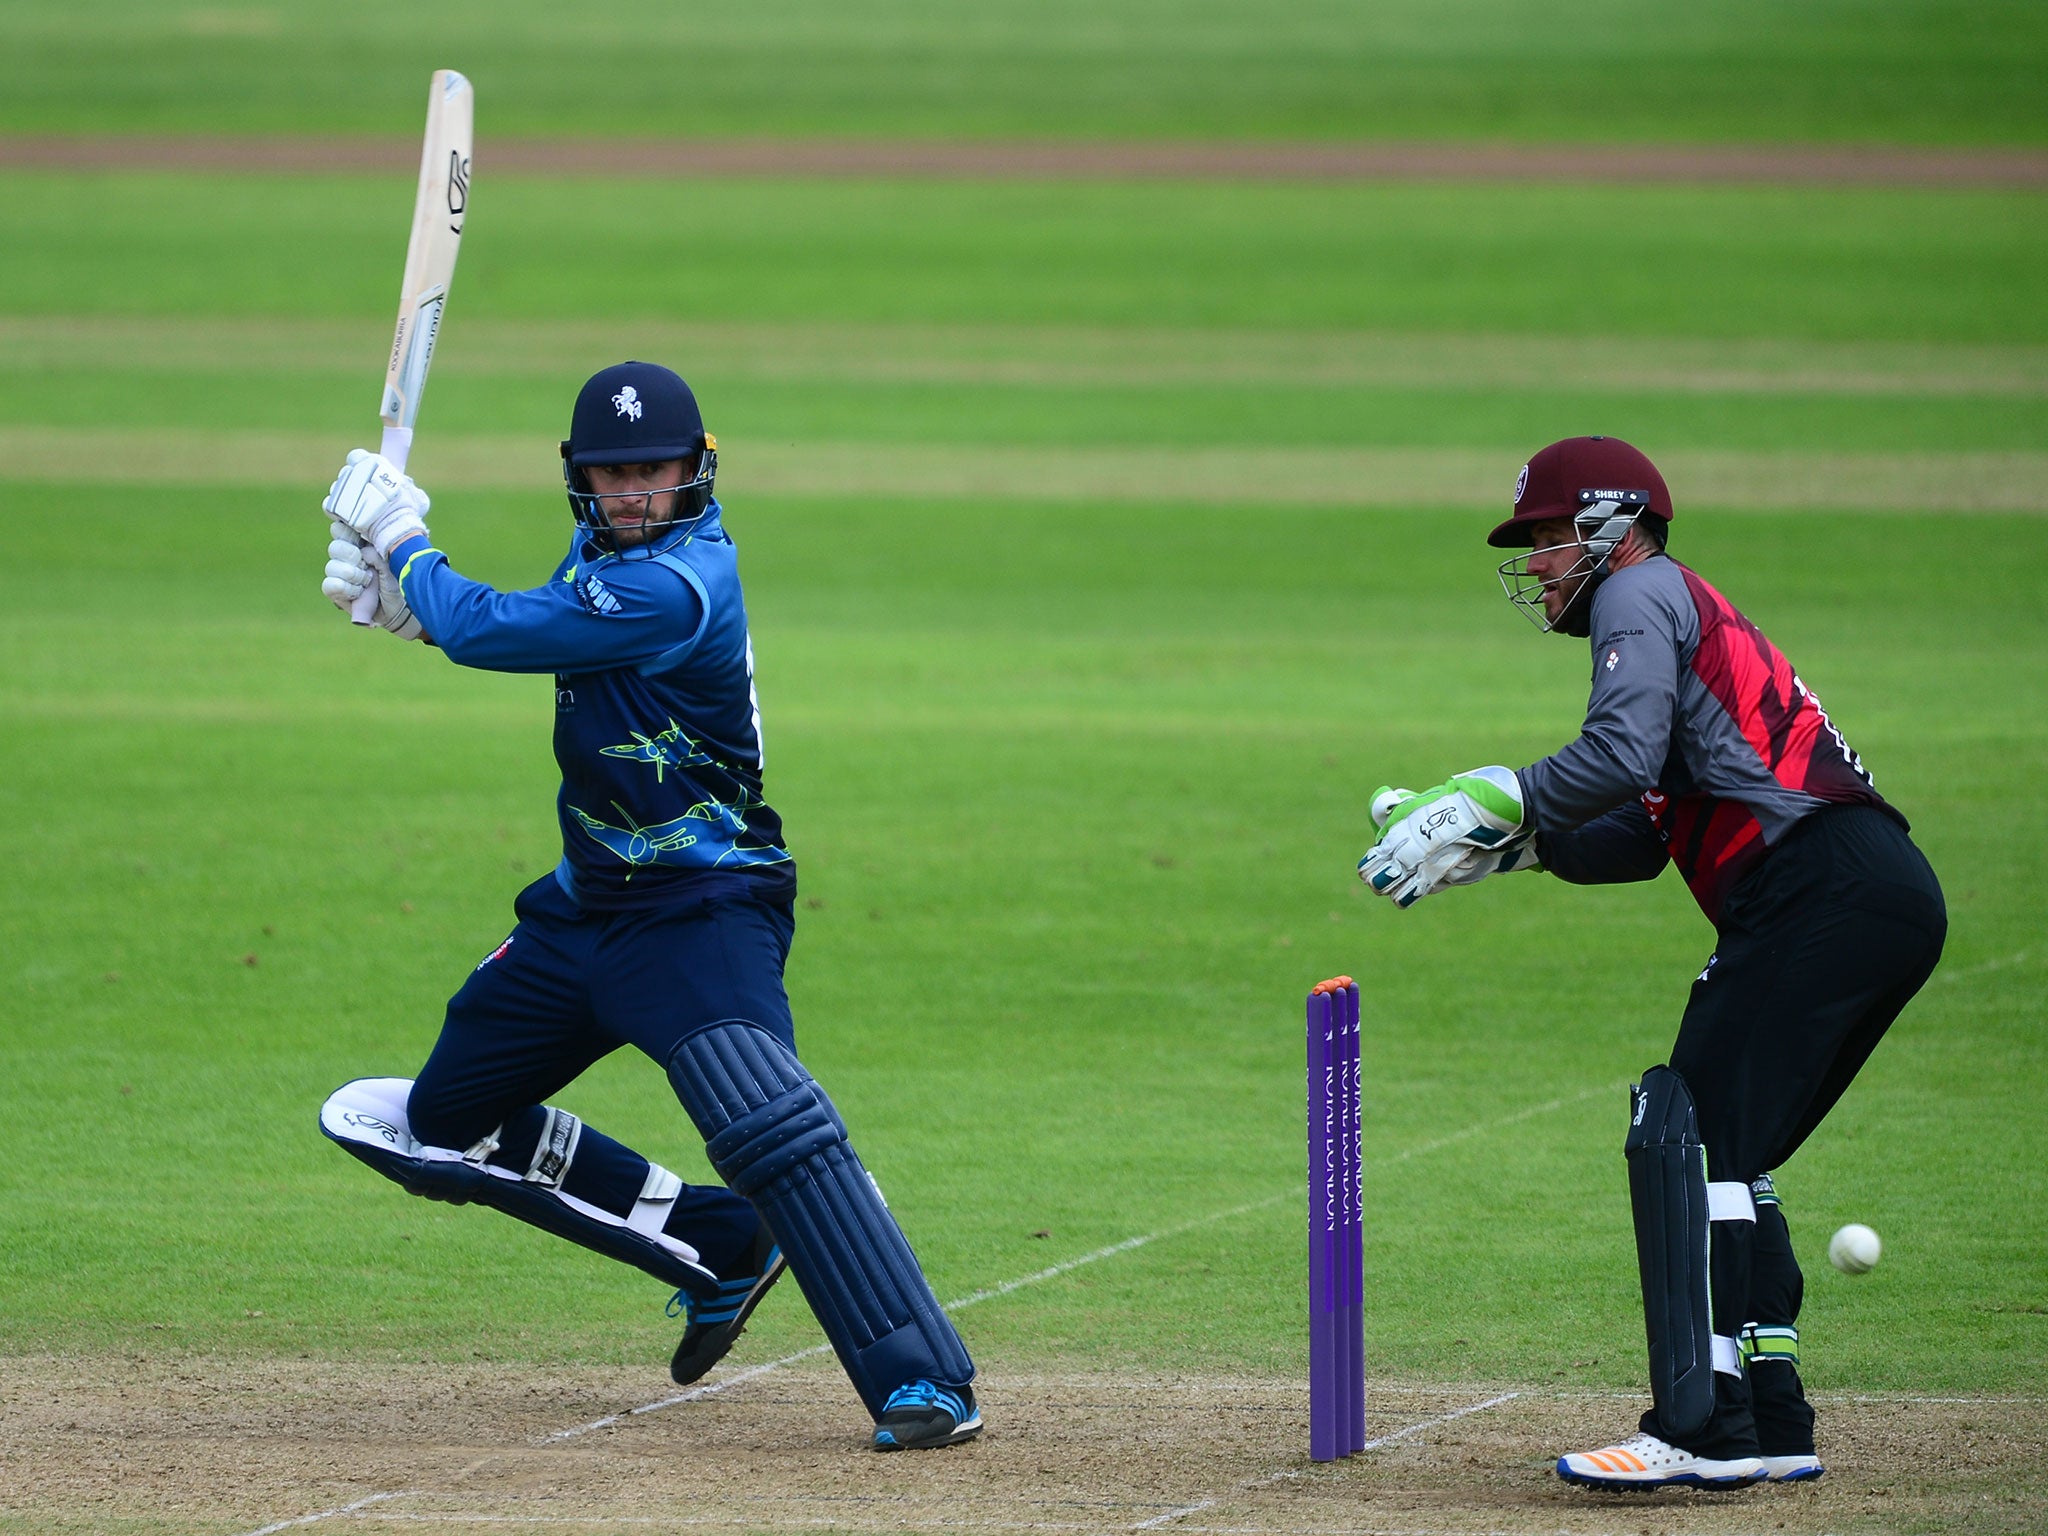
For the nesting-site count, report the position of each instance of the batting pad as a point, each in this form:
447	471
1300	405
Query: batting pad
1674	1212
775	1138
367	1119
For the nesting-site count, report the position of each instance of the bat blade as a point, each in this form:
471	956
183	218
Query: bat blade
438	210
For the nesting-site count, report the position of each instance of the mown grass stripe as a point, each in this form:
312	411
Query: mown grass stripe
1078	356
978	159
1366	477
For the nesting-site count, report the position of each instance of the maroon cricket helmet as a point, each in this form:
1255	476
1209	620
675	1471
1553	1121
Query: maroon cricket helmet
1556	483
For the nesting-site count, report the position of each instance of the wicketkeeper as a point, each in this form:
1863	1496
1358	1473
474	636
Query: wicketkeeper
665	926
1701	748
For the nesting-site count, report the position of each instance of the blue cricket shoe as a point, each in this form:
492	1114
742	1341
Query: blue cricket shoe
715	1323
923	1416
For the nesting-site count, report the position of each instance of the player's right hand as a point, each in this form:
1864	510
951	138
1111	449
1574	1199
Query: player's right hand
378	501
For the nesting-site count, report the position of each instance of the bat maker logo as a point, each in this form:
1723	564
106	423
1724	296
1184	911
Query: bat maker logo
458	190
1436	821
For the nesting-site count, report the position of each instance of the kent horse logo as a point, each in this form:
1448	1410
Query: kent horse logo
627	403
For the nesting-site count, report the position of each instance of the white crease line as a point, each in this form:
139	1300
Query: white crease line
1506	1120
973	1298
1066	1266
1173	1514
710	1390
1442	1418
329	1514
1158	1521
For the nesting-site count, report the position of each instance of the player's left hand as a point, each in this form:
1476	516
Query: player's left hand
347	576
377	501
1429	838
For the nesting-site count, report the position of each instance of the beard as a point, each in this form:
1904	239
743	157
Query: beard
1576	618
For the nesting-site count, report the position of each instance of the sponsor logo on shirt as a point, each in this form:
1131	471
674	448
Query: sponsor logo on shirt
597	597
1655	803
494	954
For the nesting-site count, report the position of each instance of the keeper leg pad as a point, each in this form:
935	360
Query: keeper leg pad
1676	1210
775	1138
367	1119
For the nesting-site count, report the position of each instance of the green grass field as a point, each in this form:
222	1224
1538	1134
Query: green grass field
1074	766
1604	71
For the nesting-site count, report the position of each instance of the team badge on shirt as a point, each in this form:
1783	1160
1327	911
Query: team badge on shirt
597	597
1613	660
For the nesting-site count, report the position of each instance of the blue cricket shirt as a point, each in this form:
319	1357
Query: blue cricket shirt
657	727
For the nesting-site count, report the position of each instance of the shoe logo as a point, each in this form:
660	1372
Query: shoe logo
627	403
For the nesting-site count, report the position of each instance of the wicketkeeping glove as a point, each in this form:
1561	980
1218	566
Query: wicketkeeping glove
1456	833
377	501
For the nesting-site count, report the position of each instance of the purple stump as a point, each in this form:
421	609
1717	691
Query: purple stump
1352	1309
1325	1367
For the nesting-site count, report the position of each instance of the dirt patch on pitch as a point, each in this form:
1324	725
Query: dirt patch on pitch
220	1446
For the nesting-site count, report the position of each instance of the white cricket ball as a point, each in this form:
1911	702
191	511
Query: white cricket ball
1854	1249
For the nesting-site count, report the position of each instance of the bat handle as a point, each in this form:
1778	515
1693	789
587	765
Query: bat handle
397	447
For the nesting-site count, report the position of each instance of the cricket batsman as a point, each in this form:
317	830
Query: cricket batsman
1701	747
665	926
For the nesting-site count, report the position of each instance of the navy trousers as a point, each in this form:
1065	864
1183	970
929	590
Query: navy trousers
571	986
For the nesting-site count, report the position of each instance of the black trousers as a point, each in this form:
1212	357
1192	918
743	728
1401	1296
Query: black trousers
1817	953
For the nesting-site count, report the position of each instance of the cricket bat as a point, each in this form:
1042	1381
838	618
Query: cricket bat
437	212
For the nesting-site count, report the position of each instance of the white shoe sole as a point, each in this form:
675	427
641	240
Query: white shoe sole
1704	1474
1792	1469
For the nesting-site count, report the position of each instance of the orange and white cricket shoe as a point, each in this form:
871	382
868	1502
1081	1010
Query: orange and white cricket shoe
1644	1461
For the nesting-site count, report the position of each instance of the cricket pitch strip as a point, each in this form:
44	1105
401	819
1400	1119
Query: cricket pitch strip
225	1447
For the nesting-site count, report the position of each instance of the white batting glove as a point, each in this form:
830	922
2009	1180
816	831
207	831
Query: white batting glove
347	576
1430	836
353	570
375	499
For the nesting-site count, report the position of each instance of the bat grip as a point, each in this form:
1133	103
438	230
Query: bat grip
397	447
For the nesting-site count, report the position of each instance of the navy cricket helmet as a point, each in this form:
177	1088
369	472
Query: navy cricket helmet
638	413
